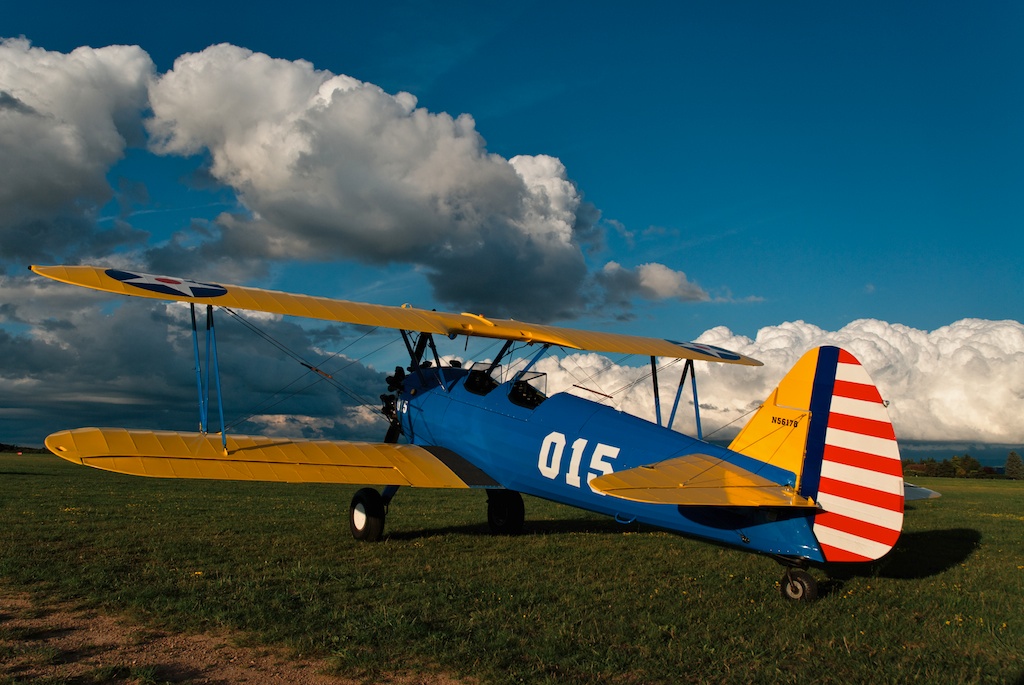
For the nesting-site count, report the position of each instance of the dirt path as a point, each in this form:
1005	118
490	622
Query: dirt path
59	643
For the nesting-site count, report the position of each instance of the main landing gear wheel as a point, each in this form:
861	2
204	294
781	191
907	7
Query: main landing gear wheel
798	585
366	515
505	512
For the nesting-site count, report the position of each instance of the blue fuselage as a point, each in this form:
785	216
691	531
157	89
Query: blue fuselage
554	447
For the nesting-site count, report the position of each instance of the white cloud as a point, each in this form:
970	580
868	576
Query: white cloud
552	201
962	382
293	425
65	119
665	283
651	281
332	167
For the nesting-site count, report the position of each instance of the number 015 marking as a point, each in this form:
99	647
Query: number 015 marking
550	460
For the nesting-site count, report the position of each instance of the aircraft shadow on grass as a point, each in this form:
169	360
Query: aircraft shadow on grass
917	555
560	527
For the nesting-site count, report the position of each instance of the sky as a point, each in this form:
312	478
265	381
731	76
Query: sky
763	176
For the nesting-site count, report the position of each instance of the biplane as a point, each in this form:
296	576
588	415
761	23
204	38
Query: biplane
814	476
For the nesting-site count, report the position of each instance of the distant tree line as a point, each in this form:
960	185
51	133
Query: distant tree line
14	449
964	466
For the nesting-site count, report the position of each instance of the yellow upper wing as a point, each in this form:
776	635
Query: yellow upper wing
167	454
698	480
407	318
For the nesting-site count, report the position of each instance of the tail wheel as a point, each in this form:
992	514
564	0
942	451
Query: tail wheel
366	515
798	585
505	512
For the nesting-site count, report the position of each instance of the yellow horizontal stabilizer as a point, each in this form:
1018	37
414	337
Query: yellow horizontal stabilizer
167	454
698	480
406	318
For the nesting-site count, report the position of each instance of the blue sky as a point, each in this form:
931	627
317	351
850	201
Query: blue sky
778	162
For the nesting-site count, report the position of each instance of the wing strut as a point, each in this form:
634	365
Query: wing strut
501	355
687	368
533	361
199	371
657	396
212	369
437	360
423	341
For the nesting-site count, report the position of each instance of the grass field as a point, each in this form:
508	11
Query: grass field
576	599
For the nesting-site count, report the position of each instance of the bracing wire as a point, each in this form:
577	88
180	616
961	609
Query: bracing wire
738	418
320	375
640	379
581	383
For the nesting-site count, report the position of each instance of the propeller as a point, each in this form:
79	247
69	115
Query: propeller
396	381
390	405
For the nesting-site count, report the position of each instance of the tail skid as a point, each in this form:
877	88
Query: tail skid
827	423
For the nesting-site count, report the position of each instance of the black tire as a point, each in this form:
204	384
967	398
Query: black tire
366	515
505	512
798	585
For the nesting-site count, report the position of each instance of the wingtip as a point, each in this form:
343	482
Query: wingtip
63	445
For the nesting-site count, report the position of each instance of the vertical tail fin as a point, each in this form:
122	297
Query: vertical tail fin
827	423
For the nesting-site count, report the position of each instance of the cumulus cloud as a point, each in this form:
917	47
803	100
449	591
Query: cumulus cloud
331	167
77	361
650	281
962	382
65	119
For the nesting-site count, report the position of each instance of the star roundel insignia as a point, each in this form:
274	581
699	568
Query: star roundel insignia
168	285
709	350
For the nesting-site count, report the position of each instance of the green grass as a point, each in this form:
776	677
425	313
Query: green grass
577	599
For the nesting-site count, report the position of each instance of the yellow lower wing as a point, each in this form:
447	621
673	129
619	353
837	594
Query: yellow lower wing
698	480
167	454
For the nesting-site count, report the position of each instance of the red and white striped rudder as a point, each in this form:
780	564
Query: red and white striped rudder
860	479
